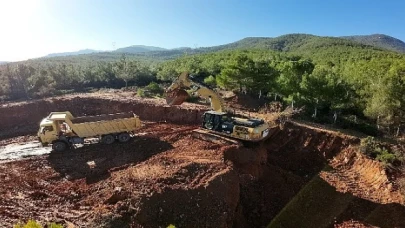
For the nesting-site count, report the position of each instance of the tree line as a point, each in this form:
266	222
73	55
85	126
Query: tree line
25	80
358	84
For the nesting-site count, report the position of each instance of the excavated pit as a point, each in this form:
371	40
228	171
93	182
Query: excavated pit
23	118
300	177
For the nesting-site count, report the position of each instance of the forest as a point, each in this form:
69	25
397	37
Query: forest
326	76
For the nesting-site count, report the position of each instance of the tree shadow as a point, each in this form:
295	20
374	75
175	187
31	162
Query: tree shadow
95	162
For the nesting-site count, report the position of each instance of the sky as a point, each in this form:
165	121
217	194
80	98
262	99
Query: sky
35	28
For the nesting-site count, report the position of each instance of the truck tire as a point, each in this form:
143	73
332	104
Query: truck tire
59	146
124	137
107	139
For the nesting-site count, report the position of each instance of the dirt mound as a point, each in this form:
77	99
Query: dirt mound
244	101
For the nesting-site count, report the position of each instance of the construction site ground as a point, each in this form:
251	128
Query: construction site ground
300	177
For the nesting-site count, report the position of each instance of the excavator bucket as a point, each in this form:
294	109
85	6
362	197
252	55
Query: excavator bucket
176	97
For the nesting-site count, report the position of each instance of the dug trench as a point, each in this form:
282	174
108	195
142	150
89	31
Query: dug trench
299	177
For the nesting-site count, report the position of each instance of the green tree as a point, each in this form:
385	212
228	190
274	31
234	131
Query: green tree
210	80
235	74
41	84
291	75
323	88
124	71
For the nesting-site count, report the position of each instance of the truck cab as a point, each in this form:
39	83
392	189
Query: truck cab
51	127
47	132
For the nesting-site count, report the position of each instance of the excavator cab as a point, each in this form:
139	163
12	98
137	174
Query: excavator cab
218	121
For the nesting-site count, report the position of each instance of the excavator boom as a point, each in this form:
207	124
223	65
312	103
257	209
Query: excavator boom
176	94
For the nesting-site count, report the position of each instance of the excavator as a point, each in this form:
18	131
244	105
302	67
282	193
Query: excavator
218	124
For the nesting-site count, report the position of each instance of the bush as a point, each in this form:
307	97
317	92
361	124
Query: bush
210	80
34	224
386	157
154	88
141	92
368	146
372	148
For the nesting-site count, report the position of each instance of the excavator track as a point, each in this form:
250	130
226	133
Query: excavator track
215	138
223	139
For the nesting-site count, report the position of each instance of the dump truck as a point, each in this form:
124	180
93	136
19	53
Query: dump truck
218	124
62	130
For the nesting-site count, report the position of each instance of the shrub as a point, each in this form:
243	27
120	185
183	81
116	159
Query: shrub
368	146
372	148
141	92
210	80
385	157
34	224
154	88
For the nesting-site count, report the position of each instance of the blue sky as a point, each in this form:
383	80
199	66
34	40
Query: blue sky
33	28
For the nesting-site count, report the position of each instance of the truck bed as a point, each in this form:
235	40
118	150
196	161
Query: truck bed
84	119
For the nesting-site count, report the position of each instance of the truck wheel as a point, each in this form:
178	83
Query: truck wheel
124	137
59	146
107	139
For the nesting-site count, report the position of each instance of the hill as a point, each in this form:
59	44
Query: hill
380	40
295	43
80	52
3	62
318	48
139	49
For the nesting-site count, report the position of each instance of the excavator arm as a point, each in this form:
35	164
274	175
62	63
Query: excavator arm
176	94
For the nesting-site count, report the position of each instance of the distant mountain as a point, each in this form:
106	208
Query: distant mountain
379	40
85	51
297	44
3	62
181	48
287	42
139	49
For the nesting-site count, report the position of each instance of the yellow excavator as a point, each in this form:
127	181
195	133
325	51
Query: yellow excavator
218	124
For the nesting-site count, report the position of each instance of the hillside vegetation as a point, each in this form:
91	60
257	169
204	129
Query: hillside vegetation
380	40
329	76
